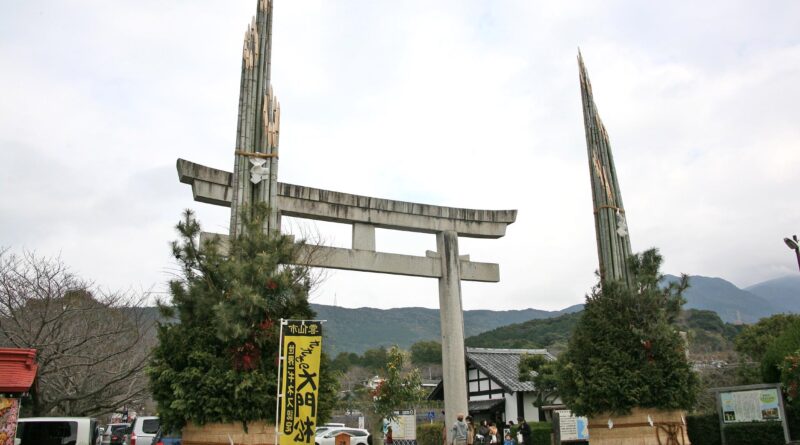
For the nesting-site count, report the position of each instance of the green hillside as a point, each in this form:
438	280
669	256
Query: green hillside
708	334
356	330
551	333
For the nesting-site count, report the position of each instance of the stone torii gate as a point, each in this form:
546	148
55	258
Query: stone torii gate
254	179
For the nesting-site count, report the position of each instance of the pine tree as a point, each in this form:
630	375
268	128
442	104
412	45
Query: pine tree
218	361
625	351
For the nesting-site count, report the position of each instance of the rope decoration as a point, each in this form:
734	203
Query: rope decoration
673	433
618	209
667	433
256	155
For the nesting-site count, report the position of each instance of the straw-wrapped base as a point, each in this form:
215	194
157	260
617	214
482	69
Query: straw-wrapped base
258	433
668	428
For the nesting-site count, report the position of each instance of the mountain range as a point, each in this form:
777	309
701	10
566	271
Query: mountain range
783	293
356	330
747	305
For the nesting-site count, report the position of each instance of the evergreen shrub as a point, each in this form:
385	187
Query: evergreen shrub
757	433
430	433
703	429
540	433
786	343
793	421
219	362
626	351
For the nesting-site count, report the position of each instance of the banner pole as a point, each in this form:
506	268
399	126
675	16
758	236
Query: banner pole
279	396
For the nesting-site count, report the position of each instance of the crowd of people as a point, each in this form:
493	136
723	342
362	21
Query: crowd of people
464	432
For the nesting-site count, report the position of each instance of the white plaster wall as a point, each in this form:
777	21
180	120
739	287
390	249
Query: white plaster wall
511	407
531	412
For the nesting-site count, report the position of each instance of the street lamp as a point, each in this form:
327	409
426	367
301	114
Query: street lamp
793	244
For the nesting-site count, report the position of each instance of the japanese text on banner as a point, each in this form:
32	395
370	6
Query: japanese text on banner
301	349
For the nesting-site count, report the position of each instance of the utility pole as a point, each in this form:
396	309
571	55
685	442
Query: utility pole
794	245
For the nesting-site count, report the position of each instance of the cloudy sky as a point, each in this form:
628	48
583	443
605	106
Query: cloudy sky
469	103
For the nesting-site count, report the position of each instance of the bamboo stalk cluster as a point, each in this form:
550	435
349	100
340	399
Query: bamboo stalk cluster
258	126
613	242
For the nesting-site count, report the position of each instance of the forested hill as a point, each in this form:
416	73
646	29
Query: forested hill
551	333
708	334
356	330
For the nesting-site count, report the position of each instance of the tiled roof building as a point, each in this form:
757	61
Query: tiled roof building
495	391
18	369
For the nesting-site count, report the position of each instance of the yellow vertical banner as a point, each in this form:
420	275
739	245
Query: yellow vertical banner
301	349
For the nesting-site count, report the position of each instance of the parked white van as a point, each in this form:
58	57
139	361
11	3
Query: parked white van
57	431
143	430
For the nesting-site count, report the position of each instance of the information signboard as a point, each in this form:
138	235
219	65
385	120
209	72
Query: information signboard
570	427
756	405
404	426
750	403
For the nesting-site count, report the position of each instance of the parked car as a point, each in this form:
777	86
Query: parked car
57	431
143	431
327	426
166	439
358	436
116	433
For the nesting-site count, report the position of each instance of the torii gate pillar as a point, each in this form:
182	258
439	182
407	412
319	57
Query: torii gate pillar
454	372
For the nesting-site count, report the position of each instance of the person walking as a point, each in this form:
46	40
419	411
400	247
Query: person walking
524	430
458	433
493	433
388	439
483	432
470	431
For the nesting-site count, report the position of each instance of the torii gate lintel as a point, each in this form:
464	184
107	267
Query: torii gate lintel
365	214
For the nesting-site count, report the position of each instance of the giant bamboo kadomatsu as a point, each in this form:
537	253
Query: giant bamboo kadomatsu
611	228
255	172
625	366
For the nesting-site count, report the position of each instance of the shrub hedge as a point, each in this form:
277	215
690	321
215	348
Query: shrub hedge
540	433
761	433
430	433
703	429
793	420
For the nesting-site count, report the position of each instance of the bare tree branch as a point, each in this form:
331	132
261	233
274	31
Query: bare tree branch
92	346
